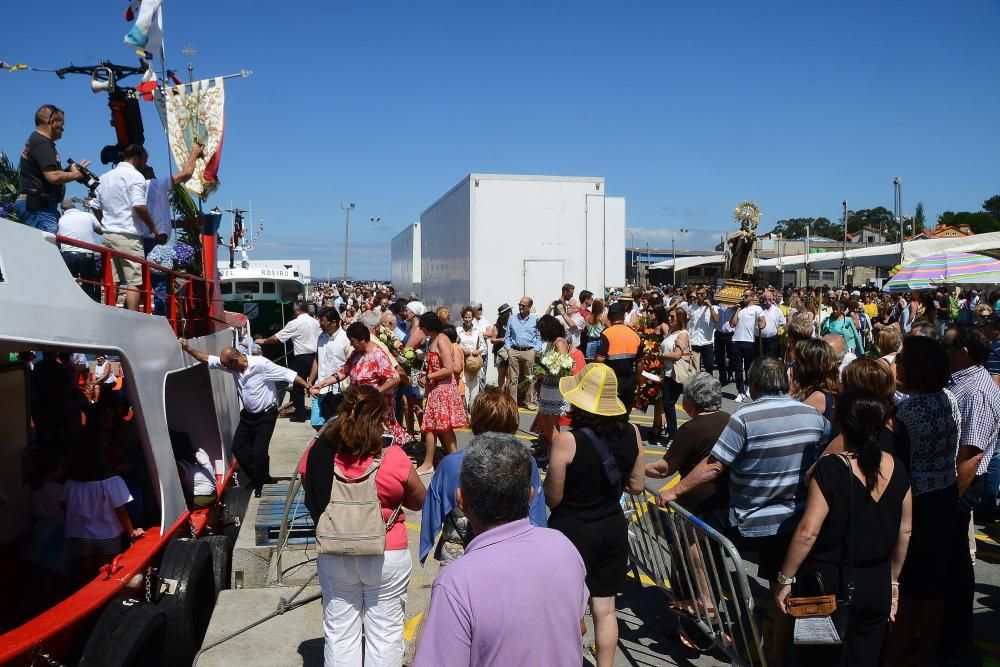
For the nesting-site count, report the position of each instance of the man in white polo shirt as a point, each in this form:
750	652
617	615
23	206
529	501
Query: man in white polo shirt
254	377
747	321
304	332
702	318
80	226
120	204
773	319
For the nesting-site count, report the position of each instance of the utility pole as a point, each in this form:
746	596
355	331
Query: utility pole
897	206
807	256
843	253
348	207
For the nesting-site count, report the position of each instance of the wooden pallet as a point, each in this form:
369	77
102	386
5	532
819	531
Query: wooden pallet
270	508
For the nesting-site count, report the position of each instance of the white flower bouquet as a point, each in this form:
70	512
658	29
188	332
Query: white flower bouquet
556	363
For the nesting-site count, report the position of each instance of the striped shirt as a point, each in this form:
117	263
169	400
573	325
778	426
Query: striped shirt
769	445
978	400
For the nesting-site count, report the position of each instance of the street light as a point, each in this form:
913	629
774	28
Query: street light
348	207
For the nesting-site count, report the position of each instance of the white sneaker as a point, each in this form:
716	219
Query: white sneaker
738	399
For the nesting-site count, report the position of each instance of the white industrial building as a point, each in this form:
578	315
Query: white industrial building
406	261
494	238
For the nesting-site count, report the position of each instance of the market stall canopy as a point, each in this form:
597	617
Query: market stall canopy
946	268
887	256
683	263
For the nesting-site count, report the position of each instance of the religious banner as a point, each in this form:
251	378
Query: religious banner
193	113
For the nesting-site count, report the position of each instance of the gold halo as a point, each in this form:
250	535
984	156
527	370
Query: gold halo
747	211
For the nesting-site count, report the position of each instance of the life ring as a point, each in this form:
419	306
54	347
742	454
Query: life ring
222	560
188	604
234	509
128	632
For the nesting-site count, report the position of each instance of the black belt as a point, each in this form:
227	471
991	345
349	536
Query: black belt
271	409
521	349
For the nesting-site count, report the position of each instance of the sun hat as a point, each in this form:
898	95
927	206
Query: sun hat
504	307
416	308
594	389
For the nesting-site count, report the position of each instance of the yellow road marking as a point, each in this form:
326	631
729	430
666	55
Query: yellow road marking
411	626
987	539
413	526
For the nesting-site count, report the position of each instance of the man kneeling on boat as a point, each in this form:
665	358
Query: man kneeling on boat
254	377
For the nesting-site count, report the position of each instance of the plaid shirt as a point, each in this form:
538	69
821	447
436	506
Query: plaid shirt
979	402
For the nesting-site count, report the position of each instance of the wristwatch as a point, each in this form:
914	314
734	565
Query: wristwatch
783	580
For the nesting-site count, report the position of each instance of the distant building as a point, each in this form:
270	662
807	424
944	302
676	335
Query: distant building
868	236
945	232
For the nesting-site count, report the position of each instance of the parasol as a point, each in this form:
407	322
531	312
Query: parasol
951	268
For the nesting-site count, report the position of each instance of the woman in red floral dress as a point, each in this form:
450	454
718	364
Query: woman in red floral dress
443	411
368	364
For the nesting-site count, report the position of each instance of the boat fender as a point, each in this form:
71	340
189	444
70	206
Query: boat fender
129	632
222	560
187	599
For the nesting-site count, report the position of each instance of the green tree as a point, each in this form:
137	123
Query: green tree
980	222
919	218
992	206
795	228
8	188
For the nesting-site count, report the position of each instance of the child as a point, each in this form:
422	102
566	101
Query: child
96	519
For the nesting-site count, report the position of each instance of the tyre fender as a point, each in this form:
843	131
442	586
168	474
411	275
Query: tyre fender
128	632
222	560
188	597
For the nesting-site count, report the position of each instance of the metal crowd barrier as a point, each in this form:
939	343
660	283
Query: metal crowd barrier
701	571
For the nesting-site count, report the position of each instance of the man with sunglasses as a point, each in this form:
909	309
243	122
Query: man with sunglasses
41	178
254	377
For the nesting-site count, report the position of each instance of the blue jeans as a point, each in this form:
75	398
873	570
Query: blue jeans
45	219
672	389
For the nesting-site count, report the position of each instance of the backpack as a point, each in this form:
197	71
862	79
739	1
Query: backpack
351	524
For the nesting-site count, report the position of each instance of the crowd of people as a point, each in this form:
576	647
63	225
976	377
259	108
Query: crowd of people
899	393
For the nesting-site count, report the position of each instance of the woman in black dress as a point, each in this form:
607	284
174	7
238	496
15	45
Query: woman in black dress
585	502
855	529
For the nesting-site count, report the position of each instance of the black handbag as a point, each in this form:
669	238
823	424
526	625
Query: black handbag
815	629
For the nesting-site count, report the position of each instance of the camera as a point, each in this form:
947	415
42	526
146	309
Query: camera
89	180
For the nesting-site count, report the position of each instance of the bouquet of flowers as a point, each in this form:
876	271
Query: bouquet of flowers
174	256
650	388
559	364
406	357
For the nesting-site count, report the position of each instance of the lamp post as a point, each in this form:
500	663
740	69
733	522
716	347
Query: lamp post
897	206
348	207
843	252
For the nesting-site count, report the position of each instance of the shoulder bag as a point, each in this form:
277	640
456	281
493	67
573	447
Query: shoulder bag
607	457
823	619
683	368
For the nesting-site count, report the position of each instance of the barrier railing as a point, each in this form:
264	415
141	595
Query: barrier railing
702	571
188	298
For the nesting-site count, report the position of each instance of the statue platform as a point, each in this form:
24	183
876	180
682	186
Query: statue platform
731	293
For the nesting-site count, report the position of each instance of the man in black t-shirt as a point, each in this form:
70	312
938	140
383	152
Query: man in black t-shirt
42	180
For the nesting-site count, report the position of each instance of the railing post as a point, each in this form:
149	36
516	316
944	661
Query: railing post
147	289
108	278
172	304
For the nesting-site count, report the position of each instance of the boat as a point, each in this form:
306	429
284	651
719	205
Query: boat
263	291
152	603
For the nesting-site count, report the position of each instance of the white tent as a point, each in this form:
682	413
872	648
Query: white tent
886	256
686	262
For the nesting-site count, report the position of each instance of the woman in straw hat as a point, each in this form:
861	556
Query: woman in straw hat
589	467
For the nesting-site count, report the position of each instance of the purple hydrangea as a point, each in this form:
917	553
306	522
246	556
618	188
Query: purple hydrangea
184	254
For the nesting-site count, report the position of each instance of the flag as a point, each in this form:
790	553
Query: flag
193	113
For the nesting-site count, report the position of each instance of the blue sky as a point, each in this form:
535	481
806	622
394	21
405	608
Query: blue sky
685	108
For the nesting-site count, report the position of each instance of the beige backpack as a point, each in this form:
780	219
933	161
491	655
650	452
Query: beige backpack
352	523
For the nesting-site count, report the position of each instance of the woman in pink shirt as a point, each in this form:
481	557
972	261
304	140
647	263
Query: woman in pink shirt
363	593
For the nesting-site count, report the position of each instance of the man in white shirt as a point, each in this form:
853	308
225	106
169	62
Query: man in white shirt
724	344
303	331
747	321
703	315
120	204
484	327
255	378
80	226
158	200
773	318
332	350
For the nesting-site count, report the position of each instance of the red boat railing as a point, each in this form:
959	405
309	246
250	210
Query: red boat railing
189	298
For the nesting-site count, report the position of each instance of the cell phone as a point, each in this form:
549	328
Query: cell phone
388	439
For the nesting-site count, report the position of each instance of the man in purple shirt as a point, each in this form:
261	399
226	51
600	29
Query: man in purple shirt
517	595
